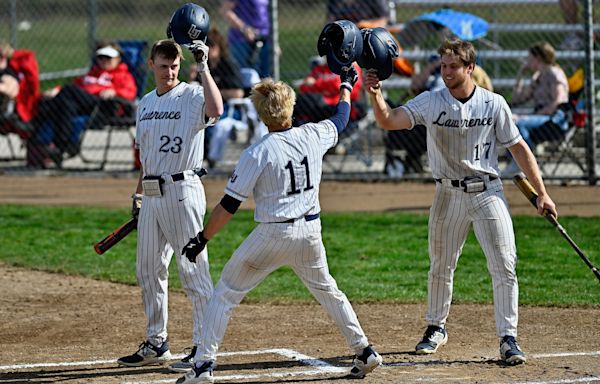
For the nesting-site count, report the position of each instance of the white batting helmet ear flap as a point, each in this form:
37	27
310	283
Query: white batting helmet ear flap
379	51
342	43
188	23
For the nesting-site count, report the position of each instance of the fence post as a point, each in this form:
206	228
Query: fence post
275	38
590	91
93	11
13	23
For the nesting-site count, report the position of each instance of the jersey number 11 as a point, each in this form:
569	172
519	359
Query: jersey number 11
294	189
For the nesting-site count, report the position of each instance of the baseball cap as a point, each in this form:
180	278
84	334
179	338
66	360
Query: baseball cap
107	51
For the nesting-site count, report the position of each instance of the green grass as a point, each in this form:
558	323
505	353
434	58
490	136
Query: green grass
374	257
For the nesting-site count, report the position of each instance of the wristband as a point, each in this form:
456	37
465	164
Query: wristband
347	86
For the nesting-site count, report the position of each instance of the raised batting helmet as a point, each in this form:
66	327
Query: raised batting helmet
379	51
189	22
341	42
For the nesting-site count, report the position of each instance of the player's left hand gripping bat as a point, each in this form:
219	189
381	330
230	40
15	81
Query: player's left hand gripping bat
117	235
525	186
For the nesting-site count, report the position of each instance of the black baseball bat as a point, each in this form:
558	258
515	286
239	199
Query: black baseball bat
525	186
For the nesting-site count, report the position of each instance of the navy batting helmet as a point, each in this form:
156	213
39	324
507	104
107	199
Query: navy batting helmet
379	51
189	22
342	42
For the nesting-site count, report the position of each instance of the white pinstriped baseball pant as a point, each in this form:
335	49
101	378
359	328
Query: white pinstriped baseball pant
451	215
165	225
267	248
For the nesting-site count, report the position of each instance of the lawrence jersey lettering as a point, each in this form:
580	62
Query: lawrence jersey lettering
462	139
170	129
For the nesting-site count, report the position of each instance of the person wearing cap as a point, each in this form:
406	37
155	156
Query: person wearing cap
108	79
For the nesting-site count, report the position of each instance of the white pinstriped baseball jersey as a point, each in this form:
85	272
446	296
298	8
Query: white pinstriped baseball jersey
165	126
283	171
462	138
170	136
289	164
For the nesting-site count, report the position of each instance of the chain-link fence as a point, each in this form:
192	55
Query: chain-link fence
64	36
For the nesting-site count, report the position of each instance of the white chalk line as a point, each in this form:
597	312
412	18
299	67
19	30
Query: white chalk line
321	366
594	379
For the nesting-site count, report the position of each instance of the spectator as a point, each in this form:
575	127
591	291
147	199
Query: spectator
9	83
548	89
108	80
249	33
570	12
226	74
364	13
319	93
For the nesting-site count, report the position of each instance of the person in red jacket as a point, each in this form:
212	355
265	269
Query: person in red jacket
108	80
319	94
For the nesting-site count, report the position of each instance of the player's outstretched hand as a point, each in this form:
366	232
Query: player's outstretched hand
193	248
372	83
348	77
200	51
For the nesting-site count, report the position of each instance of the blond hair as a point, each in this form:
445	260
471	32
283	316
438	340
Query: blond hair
6	50
274	101
464	50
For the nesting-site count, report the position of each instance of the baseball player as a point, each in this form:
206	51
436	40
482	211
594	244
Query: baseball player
282	171
465	124
170	136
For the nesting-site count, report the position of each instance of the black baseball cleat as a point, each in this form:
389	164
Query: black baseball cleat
186	364
366	362
510	351
433	338
147	354
199	374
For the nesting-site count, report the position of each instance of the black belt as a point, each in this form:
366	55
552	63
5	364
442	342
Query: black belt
178	176
459	183
307	218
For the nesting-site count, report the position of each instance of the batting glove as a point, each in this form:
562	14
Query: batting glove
193	248
200	51
136	205
349	77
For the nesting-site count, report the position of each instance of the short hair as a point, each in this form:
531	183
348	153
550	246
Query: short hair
463	49
543	51
274	101
166	48
6	50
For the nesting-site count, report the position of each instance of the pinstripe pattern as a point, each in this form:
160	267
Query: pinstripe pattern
170	136
273	244
265	167
452	213
462	140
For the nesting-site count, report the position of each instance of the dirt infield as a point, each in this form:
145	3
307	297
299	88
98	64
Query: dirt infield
84	325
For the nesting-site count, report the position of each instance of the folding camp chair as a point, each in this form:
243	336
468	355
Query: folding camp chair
134	55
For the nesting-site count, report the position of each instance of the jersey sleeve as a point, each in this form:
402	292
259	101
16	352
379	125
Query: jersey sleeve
244	176
507	132
417	108
328	134
197	104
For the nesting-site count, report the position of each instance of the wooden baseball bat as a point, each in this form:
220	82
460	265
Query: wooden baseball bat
527	189
114	237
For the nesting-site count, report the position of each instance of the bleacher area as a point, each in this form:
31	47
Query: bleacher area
513	26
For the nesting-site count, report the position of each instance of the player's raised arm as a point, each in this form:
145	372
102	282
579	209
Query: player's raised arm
213	99
386	117
348	79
